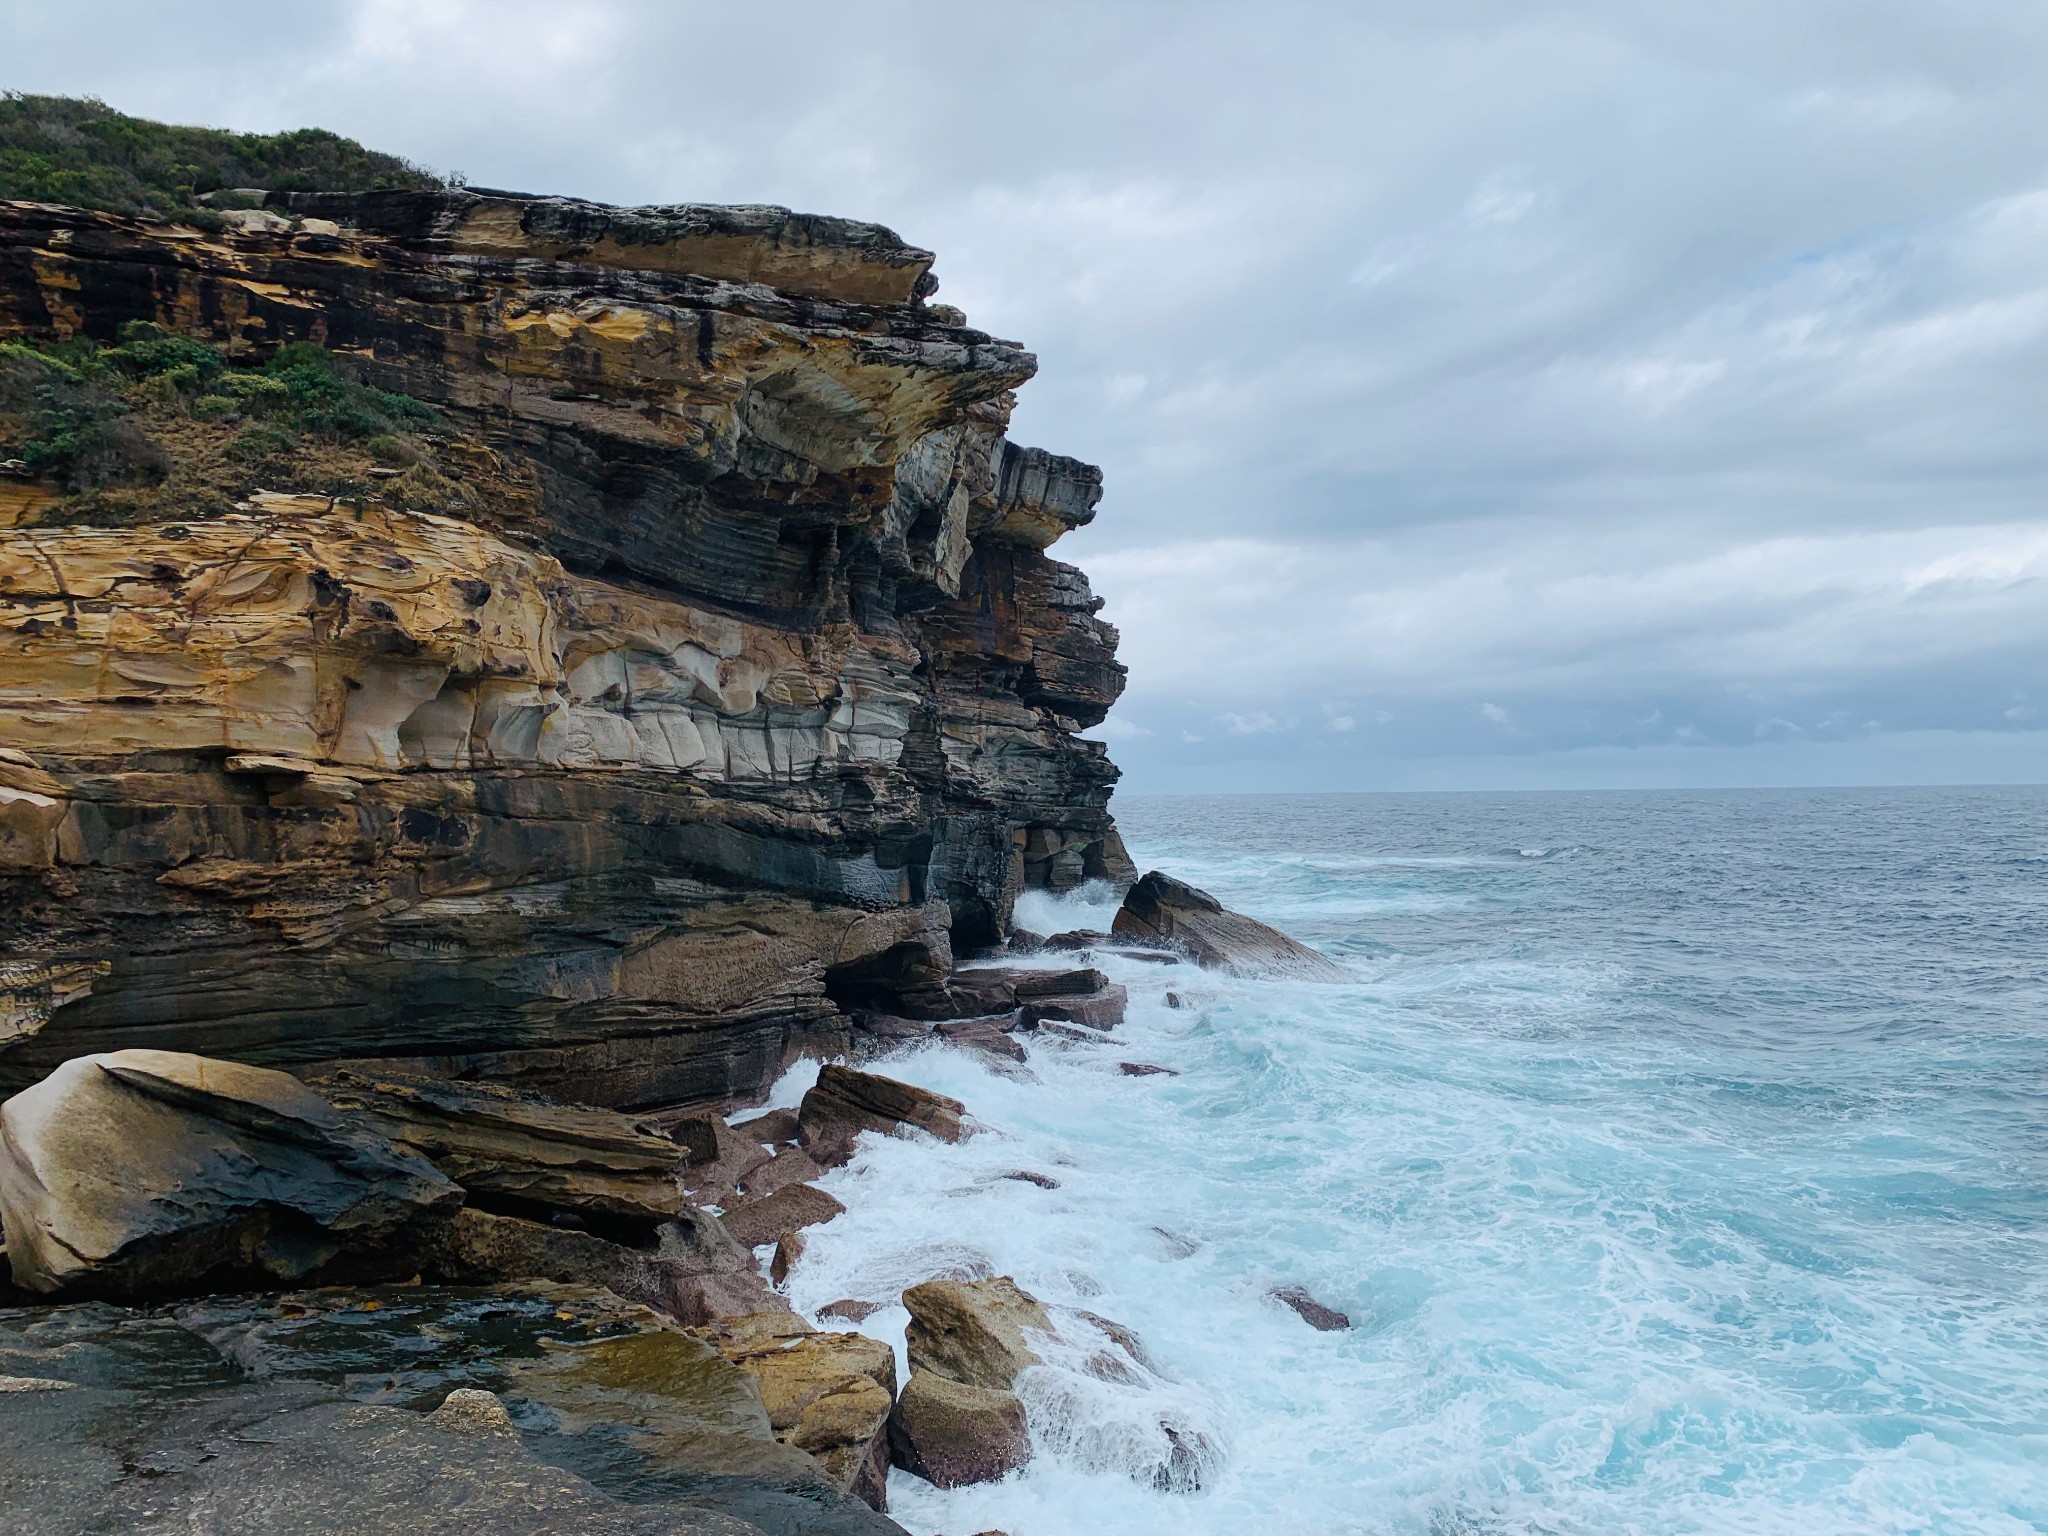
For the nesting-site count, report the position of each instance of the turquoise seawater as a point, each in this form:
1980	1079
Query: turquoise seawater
1681	1161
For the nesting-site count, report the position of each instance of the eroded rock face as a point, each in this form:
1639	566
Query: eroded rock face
748	682
139	1172
522	1151
844	1103
1173	914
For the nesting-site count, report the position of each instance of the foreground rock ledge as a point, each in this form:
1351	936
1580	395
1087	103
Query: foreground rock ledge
146	1171
238	1414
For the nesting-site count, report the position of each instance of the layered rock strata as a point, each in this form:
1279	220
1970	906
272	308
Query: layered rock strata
737	684
140	1171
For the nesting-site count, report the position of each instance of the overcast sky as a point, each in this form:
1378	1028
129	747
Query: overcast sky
1491	394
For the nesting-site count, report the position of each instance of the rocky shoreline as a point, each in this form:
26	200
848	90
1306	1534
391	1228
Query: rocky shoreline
180	1193
487	683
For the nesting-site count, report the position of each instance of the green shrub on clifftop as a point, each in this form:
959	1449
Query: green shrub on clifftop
166	423
56	149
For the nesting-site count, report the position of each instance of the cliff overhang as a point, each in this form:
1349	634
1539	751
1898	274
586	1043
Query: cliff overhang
724	672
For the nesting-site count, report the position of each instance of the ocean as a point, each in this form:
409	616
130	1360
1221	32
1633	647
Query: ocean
1681	1161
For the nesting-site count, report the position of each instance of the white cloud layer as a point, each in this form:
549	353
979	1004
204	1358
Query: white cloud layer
1661	378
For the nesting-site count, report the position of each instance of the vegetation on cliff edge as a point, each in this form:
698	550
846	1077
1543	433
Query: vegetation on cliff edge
166	426
58	149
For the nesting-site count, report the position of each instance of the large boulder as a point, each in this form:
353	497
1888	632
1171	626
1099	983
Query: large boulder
146	1171
1102	1009
775	1216
843	1103
973	1331
952	1434
960	1420
1171	913
827	1394
522	1151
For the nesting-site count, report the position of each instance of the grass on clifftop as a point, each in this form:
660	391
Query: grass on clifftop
58	149
163	426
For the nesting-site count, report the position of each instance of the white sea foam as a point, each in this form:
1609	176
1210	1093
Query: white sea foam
1602	1278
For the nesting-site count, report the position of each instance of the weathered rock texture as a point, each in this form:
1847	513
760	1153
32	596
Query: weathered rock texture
694	1271
748	683
240	1414
843	1103
521	1152
959	1419
1161	910
827	1394
952	1434
975	1331
141	1171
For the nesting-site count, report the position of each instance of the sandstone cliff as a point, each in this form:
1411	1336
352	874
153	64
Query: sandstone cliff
725	677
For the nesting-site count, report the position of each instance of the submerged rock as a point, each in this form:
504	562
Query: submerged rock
149	1171
845	1102
1319	1317
1162	910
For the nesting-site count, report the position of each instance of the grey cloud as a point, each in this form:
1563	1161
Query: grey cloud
1600	361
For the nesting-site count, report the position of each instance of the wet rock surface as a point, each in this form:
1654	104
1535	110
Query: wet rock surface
322	1410
844	1103
776	1216
694	1271
973	1332
1174	915
951	1434
1319	1317
959	1420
